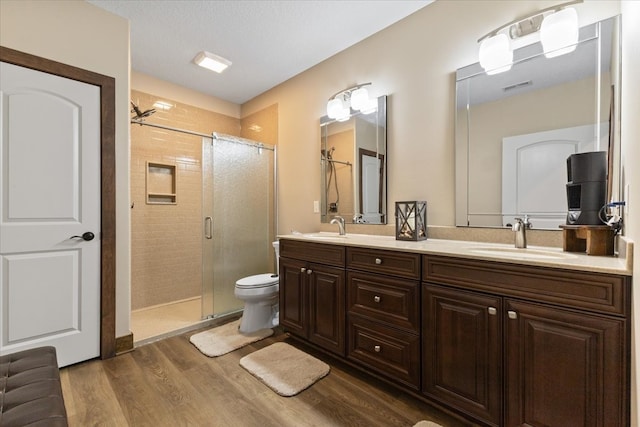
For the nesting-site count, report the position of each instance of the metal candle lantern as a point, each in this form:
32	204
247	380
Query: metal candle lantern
411	220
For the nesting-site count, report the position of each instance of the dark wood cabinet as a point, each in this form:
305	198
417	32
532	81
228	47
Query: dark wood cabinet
502	344
563	368
565	359
312	295
462	351
383	311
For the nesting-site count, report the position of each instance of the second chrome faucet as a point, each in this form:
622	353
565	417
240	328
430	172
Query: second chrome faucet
520	226
340	221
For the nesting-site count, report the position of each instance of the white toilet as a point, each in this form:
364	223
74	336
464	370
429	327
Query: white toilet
260	296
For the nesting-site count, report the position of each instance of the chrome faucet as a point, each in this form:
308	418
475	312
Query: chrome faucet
340	221
520	228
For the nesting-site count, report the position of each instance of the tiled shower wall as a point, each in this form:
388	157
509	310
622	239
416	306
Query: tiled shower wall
166	239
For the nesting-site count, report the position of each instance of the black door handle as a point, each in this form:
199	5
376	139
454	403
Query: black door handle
86	236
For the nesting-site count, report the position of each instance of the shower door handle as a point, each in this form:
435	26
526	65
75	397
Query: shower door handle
208	227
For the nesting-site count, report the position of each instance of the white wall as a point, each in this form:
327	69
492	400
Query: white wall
82	35
630	134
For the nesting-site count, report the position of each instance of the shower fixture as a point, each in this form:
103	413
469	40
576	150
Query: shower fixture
140	115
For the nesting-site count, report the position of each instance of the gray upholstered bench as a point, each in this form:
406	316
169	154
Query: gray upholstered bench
30	390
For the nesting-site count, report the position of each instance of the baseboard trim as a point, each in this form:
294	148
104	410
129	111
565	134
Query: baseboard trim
124	343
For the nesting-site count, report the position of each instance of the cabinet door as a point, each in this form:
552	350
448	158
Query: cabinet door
293	296
462	351
563	368
327	307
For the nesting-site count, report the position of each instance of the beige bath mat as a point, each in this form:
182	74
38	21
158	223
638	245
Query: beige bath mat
426	424
284	369
226	338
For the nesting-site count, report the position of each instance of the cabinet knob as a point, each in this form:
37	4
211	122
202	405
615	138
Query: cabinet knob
376	348
378	261
302	270
492	311
512	314
376	298
309	271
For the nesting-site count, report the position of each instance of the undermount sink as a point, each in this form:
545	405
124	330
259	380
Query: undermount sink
522	253
325	236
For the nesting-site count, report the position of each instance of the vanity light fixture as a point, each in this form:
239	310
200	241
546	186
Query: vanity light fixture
211	62
558	31
356	97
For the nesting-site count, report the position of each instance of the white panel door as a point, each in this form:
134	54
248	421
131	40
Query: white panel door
49	192
534	172
370	188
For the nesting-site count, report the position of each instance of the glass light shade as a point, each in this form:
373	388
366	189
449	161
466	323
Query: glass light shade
559	32
337	108
359	98
370	107
211	62
495	54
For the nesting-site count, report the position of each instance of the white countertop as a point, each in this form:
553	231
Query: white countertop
532	255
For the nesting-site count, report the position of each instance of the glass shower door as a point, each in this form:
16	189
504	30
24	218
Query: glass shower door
239	226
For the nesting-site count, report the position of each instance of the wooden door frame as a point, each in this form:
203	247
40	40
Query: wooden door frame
107	181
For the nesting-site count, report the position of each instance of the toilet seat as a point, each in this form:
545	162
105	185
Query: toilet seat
258	281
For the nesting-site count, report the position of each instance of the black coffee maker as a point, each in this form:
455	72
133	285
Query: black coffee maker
586	187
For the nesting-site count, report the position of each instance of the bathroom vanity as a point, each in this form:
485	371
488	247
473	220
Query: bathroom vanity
501	336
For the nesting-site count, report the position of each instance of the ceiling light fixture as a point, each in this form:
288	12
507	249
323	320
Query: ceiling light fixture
211	62
558	28
163	105
357	97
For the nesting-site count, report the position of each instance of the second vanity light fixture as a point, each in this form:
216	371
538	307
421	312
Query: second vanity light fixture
558	27
356	97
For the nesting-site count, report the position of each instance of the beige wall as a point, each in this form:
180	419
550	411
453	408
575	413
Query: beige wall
166	239
630	133
261	126
80	34
414	62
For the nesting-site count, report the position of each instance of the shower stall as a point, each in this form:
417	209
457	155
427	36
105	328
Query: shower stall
203	217
238	205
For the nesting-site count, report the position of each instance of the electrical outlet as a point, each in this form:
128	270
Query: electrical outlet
316	206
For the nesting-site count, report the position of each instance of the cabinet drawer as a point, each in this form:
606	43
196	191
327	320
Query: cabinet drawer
388	351
389	300
399	264
314	252
605	293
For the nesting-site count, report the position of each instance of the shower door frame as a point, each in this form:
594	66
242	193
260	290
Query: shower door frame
208	282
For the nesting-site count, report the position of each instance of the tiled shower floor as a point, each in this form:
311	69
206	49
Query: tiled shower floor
152	323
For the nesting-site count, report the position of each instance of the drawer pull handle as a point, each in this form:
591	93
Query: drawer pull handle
378	261
512	314
376	298
376	348
302	270
309	271
492	311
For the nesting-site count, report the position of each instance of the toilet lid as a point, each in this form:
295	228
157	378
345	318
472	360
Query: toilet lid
258	281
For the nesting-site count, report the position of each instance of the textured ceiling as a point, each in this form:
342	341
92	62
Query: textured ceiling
267	41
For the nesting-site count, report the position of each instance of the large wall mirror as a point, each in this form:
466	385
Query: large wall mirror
353	163
515	130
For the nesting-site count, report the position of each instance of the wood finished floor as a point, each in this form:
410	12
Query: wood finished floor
170	383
